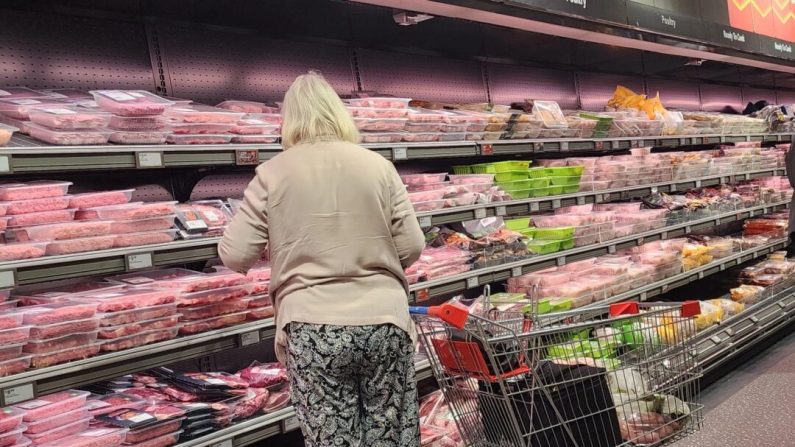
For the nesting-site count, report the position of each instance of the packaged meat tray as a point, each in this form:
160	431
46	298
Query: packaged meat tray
67	93
109	319
212	212
213	310
260	301
56	421
194	327
199	139
10	320
6	132
204	282
52	404
199	113
20	108
155	278
92	437
129	211
68	118
26	206
255	127
40	218
270	118
133	298
168	439
422	179
109	403
200	128
11	438
10	418
130	102
372	112
15	365
142	225
211	296
59	231
256	139
246	106
421	137
47	331
100	198
16	252
21	93
144	238
138	137
141	339
136	123
70	246
68	137
58	313
155	432
381	137
56	434
260	313
380	124
33	190
51	345
124	330
380	102
11	352
264	375
415	127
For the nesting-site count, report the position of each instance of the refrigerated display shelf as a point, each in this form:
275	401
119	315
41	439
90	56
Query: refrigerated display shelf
115	364
526	206
446	286
732	337
267	426
26	155
118	260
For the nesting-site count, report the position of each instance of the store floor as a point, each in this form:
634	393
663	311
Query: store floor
752	406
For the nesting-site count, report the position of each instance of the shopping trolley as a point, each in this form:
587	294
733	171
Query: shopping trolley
619	375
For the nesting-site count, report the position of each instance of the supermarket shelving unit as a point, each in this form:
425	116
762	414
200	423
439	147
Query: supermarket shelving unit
105	46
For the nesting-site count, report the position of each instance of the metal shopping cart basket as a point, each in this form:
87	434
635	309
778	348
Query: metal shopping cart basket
618	375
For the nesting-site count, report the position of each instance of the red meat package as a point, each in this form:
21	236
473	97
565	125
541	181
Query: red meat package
151	395
166	440
93	437
59	312
203	215
213	380
179	395
41	332
194	327
264	375
213	296
52	404
66	355
253	402
10	418
277	400
135	298
102	198
59	420
213	310
166	411
114	402
151	432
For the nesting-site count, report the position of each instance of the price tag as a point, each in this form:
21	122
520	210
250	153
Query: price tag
634	143
425	221
138	261
422	295
487	149
555	203
516	271
724	180
700	275
500	211
246	157
747	176
472	282
717	221
599	198
290	424
564	146
7	279
664	235
224	443
688	229
580	200
751	213
611	249
17	394
673	187
698	183
5	164
642	296
538	147
249	338
480	213
400	153
149	159
561	261
640	241
683	141
599	145
533	206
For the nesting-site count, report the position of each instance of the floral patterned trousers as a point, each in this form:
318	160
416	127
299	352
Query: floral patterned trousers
353	386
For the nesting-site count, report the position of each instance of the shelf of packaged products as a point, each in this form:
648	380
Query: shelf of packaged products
526	206
721	343
259	428
117	260
473	279
26	155
115	364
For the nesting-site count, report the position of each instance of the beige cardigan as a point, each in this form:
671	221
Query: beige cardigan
339	228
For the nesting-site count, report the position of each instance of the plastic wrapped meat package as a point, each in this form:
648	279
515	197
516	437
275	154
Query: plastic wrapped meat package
200	128
381	124
27	206
40	218
130	102
136	123
168	437
14	336
100	198
138	327
60	329
246	106
108	403
194	327
52	404
142	314
199	113
543	278
138	137
20	108
128	211
81	245
144	238
255	127
199	139
160	278
140	339
255	139
214	213
424	137
380	102
68	137
51	345
59	231
212	296
68	118
33	190
747	294
126	299
381	137
92	437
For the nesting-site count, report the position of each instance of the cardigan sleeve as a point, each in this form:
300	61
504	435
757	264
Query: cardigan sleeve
246	237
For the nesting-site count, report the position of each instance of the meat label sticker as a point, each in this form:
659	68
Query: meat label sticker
117	95
60	111
138	280
38	403
98	432
24	102
212	216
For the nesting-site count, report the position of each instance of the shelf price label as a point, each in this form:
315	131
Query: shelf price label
555	203
400	153
516	271
5	164
480	213
247	157
580	200
224	443
533	207
422	295
425	221
17	394
564	146
149	159
487	149
290	424
138	261
8	279
538	147
249	338
500	211
472	282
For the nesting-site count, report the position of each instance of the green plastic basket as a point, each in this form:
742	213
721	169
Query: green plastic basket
518	224
565	181
566	171
571	189
529	233
543	247
510	176
462	170
555	234
539	182
483	168
554	190
567	244
516	185
538	172
538	192
512	165
520	194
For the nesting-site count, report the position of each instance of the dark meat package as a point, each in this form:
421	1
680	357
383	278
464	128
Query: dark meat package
194	327
194	408
114	402
197	217
264	375
150	394
63	356
93	437
212	380
127	418
125	299
52	404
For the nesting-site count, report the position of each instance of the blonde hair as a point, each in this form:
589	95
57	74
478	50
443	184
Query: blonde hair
313	112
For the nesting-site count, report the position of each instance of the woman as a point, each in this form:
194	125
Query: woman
339	229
